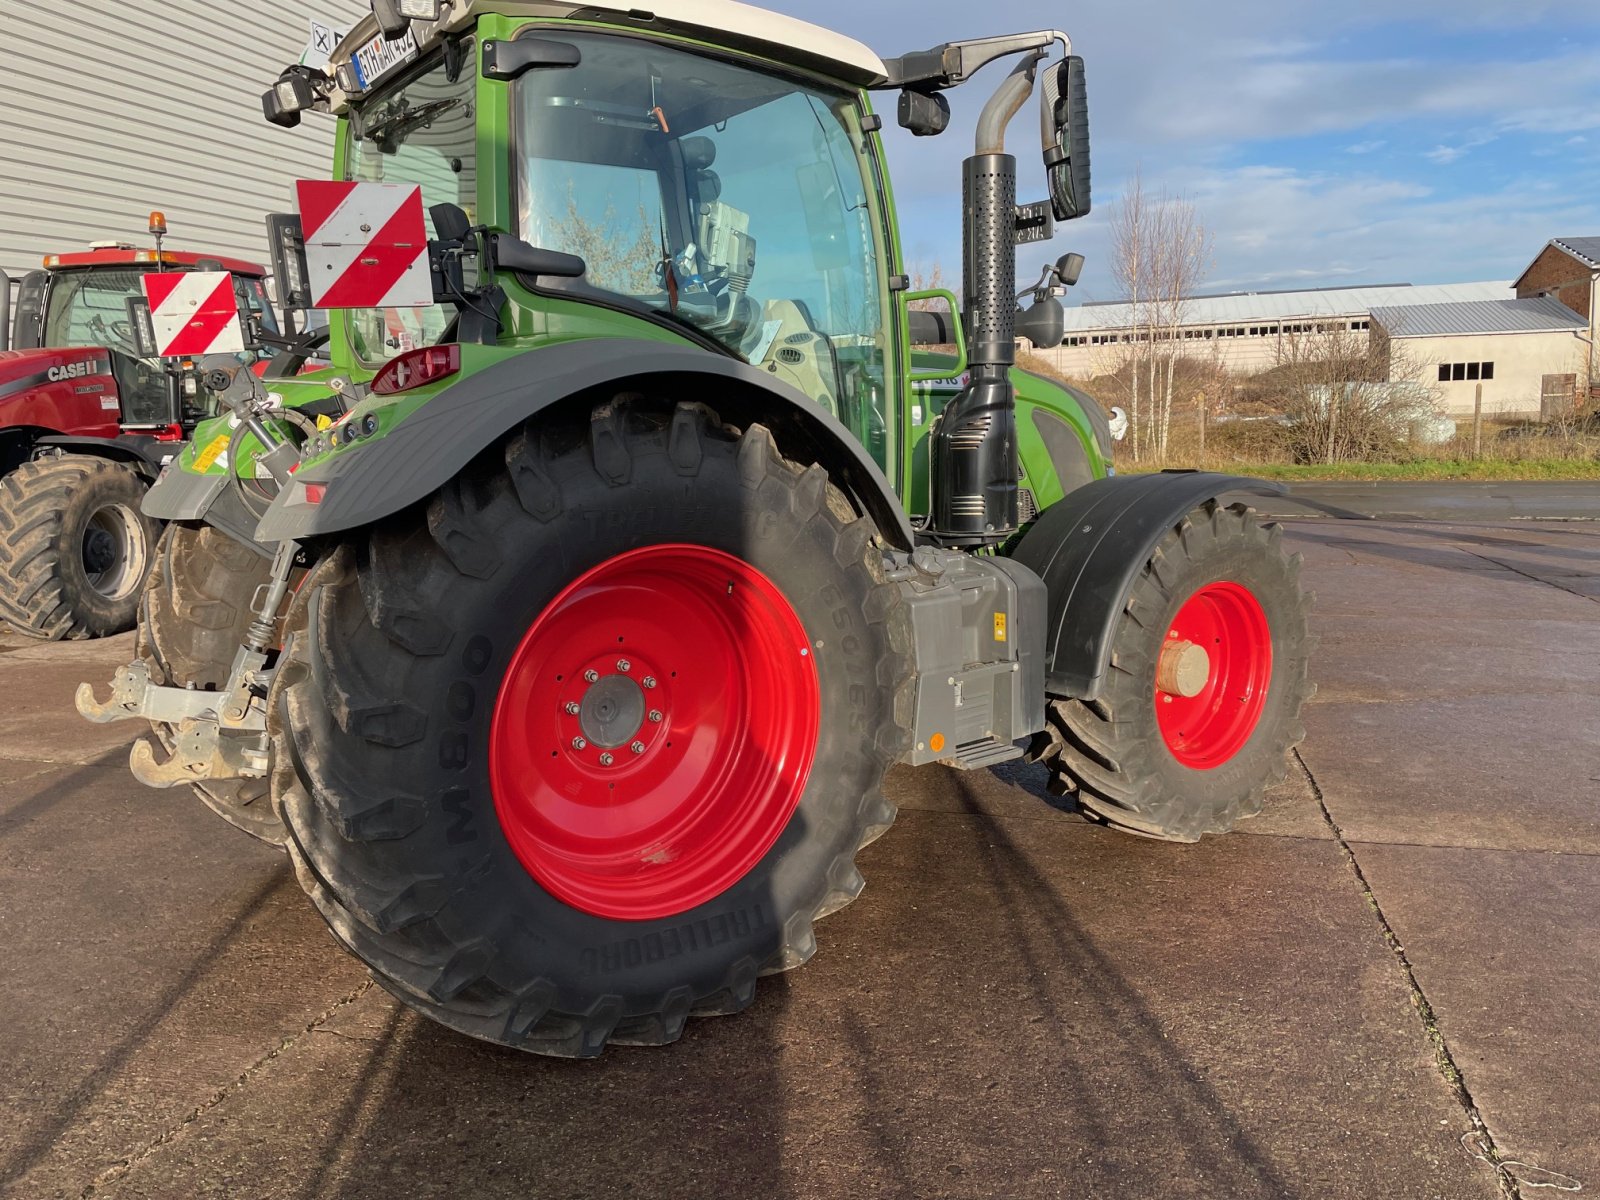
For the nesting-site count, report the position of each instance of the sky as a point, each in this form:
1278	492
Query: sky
1323	145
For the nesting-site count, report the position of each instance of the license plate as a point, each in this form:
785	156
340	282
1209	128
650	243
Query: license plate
380	56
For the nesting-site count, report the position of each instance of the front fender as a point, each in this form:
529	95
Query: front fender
1090	549
369	481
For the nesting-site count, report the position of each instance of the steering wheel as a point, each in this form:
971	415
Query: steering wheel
119	331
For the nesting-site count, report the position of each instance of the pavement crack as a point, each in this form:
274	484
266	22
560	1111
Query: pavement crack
118	1170
1530	575
1443	1058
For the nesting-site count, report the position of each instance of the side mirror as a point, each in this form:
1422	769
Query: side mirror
28	330
1065	126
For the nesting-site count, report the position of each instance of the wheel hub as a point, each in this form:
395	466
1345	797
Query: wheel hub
99	551
654	732
611	711
1212	675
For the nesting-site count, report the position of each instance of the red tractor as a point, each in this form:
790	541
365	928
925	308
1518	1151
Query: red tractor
88	416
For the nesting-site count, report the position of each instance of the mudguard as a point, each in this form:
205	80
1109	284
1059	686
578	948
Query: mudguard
1090	548
371	480
145	455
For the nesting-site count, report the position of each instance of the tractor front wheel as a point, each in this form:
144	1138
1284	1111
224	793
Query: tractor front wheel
587	746
1202	701
75	549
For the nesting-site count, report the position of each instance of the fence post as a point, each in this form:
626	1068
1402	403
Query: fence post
1477	425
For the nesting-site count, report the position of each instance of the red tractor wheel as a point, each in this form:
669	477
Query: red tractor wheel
1202	701
588	746
75	549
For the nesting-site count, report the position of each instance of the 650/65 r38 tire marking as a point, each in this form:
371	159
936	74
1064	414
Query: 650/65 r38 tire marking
655	732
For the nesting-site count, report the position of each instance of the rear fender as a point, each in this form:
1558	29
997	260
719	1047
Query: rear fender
371	480
1090	549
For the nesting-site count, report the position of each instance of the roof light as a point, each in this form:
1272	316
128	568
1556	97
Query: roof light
418	368
158	224
52	260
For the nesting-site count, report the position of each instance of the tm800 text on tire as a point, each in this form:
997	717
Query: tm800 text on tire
587	746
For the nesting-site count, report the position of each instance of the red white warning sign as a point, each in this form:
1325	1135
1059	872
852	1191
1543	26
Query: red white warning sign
194	313
366	244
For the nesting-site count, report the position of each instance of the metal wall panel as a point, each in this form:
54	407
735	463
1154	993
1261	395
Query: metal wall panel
111	108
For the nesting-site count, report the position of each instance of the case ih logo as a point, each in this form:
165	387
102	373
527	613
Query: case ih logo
366	244
77	370
194	313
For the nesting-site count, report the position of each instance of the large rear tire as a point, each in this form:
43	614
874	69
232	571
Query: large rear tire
75	549
1209	671
588	745
192	619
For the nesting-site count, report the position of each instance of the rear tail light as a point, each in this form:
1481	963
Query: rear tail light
418	368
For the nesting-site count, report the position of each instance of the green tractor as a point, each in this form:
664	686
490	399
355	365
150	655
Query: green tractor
564	630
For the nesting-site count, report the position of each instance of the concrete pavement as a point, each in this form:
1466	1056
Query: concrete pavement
1399	954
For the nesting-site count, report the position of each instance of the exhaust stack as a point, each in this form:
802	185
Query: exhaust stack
974	452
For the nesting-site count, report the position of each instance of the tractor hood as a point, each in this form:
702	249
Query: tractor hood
66	389
24	369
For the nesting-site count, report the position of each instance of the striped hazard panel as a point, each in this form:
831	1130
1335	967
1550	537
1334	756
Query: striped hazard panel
366	244
194	313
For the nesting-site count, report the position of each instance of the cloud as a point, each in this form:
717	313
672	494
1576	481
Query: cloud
1371	147
1445	155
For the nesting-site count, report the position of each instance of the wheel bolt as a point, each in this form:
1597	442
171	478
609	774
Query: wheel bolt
637	747
573	708
592	676
649	681
656	716
579	744
606	760
624	665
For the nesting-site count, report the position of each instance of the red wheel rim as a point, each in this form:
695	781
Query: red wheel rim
654	732
1206	730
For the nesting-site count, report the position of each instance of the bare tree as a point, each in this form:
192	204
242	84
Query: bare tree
1161	251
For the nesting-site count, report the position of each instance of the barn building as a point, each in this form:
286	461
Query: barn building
108	111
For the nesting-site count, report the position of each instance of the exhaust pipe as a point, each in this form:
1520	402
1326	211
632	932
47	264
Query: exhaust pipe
974	452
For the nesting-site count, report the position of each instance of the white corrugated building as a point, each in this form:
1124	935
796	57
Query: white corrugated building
1526	355
1246	332
109	110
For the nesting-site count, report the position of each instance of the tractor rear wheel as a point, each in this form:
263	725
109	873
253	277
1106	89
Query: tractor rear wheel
587	746
75	549
1202	700
192	618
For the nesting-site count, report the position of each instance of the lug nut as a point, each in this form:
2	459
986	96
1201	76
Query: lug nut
649	681
656	716
606	760
592	676
637	747
624	665
573	708
579	744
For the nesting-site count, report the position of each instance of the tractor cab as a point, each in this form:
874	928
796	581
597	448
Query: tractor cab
94	299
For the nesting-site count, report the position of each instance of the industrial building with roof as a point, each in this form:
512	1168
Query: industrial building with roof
1531	344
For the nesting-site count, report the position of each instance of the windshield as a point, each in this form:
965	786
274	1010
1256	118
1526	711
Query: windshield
718	196
90	308
422	132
